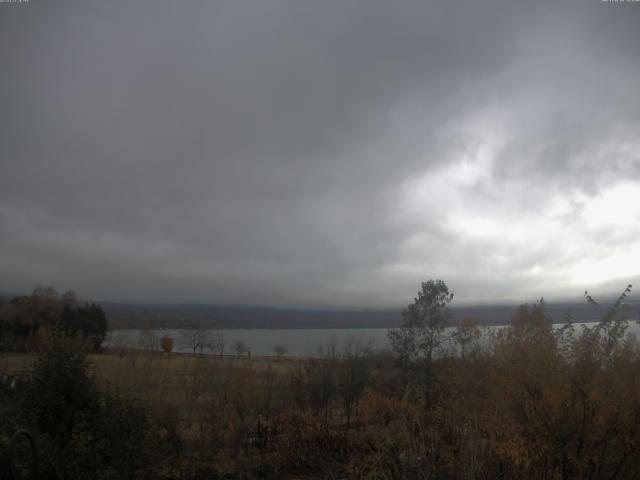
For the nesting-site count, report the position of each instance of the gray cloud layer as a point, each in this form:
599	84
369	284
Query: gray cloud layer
328	153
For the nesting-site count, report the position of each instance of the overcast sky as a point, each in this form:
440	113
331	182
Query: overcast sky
319	153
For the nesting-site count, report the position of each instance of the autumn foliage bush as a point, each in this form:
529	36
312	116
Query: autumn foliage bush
166	343
305	443
527	401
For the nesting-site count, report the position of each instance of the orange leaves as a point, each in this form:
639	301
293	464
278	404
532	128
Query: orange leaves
304	442
166	343
378	409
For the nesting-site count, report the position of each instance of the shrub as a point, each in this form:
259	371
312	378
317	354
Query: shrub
82	433
167	344
305	443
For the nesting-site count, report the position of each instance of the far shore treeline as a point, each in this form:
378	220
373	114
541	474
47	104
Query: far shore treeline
28	321
176	316
87	318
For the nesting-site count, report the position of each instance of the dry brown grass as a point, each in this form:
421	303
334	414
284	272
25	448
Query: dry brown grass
188	386
12	363
173	380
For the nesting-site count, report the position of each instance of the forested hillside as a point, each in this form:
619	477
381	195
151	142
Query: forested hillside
217	316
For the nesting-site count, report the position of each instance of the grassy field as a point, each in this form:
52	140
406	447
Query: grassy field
189	388
498	413
12	363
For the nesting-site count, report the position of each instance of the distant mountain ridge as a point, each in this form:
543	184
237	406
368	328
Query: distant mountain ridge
180	315
130	316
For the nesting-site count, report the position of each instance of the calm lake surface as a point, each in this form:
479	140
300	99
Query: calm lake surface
298	342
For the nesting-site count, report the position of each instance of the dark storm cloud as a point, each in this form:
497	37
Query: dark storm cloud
316	153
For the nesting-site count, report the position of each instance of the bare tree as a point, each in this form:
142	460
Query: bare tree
191	380
149	340
240	347
466	335
279	350
353	375
318	375
118	341
217	343
196	338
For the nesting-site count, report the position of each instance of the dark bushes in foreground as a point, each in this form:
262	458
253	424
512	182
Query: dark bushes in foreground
526	402
81	432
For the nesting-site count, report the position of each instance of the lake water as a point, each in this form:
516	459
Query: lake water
298	342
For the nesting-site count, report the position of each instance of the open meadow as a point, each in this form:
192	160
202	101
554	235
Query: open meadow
528	400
